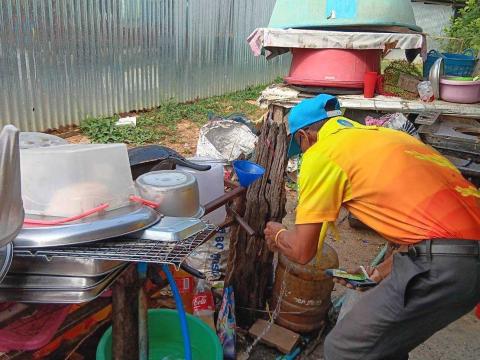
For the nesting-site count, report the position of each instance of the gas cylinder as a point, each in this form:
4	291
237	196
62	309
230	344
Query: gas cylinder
307	296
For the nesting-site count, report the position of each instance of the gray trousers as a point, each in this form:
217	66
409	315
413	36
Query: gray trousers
416	300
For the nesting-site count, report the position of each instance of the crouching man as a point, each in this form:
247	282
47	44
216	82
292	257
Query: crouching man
408	193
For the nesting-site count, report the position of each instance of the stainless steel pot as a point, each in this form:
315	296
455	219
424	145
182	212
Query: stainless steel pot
176	192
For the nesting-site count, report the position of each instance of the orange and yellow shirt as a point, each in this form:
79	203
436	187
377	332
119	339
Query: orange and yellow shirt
392	182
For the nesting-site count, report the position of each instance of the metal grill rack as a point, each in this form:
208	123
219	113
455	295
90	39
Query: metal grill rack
148	251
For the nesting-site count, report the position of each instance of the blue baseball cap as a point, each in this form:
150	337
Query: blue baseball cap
307	113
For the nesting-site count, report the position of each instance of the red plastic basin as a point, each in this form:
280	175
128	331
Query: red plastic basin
332	67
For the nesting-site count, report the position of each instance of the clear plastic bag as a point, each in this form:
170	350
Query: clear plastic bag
425	90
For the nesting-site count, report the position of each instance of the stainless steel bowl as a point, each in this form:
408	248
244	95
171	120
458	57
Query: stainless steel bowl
176	191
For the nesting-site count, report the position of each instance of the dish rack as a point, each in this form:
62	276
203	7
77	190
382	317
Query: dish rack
148	251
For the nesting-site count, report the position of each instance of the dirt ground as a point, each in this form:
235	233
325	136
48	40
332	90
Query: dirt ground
460	340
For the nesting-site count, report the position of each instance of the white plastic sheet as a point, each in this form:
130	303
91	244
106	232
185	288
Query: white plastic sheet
11	206
225	140
273	42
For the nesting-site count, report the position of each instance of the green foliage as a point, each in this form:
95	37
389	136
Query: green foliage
465	27
104	130
156	124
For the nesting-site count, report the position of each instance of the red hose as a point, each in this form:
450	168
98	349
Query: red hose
133	198
145	202
65	220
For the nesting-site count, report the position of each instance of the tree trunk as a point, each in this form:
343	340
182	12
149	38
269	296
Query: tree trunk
250	261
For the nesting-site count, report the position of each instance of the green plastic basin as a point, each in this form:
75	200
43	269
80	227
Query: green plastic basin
298	14
165	338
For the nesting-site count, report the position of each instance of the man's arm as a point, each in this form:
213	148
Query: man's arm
299	244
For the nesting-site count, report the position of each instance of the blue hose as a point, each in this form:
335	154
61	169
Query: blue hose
181	313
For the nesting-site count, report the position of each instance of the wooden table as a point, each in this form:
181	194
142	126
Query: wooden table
287	97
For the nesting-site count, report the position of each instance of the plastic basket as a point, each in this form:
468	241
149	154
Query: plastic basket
455	64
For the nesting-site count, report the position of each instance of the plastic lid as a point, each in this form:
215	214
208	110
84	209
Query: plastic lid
29	140
166	179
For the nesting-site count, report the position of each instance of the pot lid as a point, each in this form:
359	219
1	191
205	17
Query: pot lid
166	179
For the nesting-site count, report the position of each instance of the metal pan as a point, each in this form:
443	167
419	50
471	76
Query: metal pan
59	296
62	266
171	229
102	226
48	282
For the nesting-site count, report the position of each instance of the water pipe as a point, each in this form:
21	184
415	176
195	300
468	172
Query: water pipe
181	313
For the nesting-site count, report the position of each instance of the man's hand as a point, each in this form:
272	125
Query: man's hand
372	272
271	230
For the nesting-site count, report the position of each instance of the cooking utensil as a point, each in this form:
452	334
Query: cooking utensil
6	255
41	296
148	158
176	192
49	282
62	266
97	227
210	186
436	72
171	229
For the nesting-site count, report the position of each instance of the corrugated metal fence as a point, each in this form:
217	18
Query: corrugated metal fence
64	60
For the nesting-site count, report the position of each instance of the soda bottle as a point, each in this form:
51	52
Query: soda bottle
203	305
185	285
477	311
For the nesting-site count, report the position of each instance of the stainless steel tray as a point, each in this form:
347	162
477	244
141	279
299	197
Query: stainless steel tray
171	229
62	266
48	282
60	296
102	226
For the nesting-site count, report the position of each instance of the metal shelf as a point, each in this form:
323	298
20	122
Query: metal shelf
159	252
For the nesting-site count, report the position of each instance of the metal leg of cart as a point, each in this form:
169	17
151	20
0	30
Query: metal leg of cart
125	342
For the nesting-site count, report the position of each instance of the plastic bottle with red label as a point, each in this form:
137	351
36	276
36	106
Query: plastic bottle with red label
185	285
203	304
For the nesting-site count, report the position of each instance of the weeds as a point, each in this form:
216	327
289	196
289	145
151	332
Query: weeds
156	124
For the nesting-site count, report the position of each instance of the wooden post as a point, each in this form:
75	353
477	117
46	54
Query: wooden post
250	261
125	316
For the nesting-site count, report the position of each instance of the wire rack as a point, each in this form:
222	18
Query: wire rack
149	251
